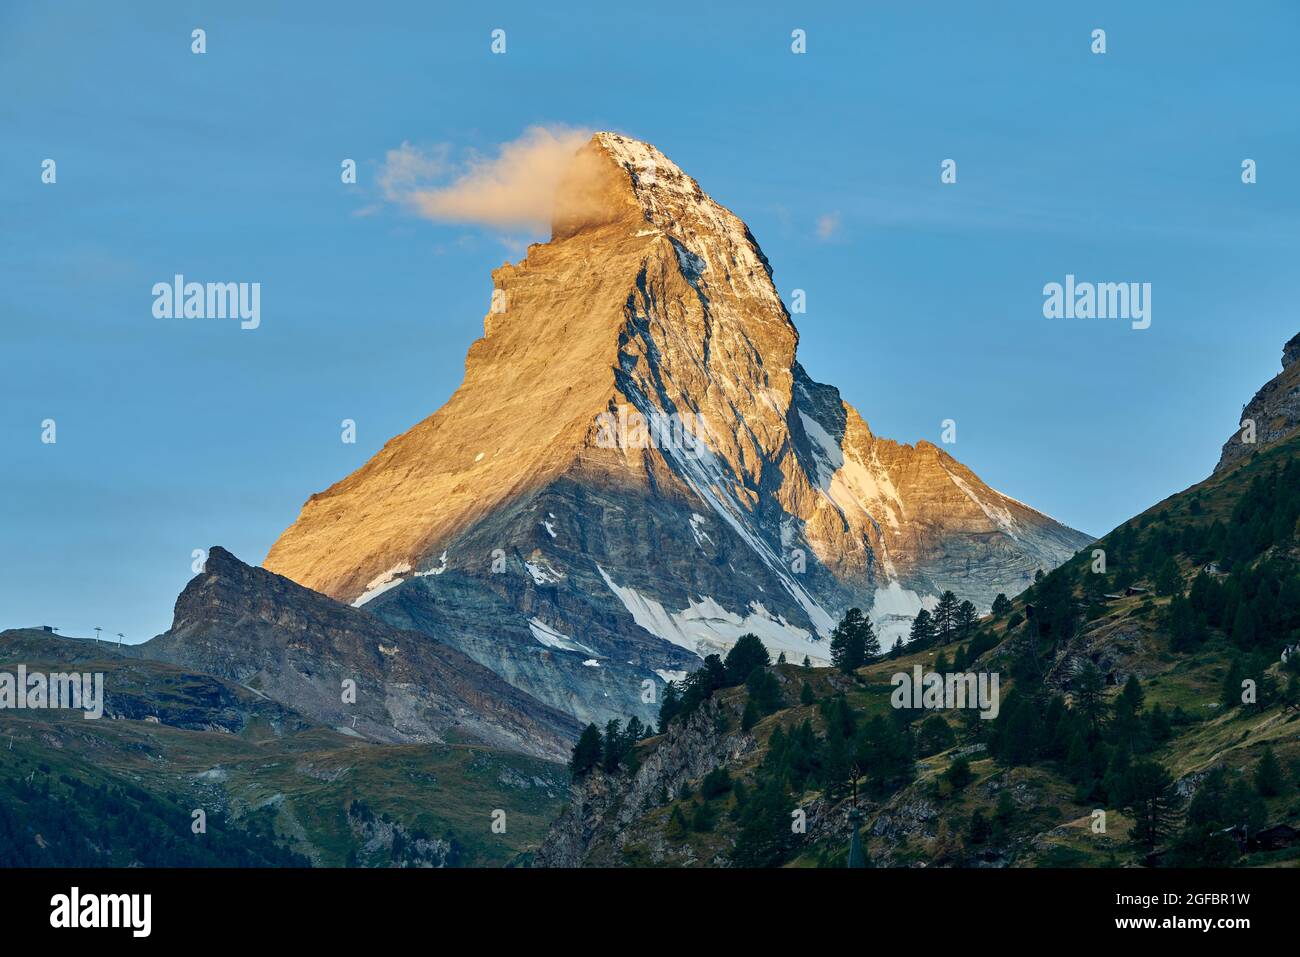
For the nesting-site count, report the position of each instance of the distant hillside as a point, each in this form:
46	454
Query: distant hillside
277	788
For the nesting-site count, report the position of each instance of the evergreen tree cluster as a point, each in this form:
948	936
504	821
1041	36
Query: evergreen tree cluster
610	751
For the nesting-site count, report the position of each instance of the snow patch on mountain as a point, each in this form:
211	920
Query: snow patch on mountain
542	572
697	529
551	638
381	583
707	628
435	571
892	611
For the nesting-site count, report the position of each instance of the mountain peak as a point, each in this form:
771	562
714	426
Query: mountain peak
617	179
579	563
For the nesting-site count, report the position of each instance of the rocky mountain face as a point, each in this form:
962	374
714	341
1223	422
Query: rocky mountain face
606	812
1274	412
291	645
636	471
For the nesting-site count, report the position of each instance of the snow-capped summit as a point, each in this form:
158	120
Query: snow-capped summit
636	470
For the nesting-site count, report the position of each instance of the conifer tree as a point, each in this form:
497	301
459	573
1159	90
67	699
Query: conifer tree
1169	580
922	632
806	694
745	655
1088	687
1152	802
966	618
587	753
945	617
853	642
1269	780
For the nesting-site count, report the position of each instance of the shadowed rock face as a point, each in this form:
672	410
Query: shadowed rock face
297	647
1275	411
586	563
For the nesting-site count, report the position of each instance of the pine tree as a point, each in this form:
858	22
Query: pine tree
1088	688
1126	713
966	617
853	642
806	694
587	752
1244	626
764	837
1078	762
613	745
745	655
1230	694
1169	580
922	632
1269	780
1152	802
945	617
676	829
1248	809
959	773
1158	727
669	706
704	818
1001	605
836	765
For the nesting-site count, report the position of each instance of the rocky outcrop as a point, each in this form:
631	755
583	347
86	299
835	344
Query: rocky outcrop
600	819
1272	416
292	645
636	470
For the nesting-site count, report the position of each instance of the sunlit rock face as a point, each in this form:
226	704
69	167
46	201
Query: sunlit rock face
1272	416
636	470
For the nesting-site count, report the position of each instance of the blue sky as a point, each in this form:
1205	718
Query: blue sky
924	303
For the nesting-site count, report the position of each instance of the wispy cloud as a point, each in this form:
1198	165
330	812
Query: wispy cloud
827	226
512	190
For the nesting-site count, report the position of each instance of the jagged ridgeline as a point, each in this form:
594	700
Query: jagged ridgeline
1149	714
636	471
